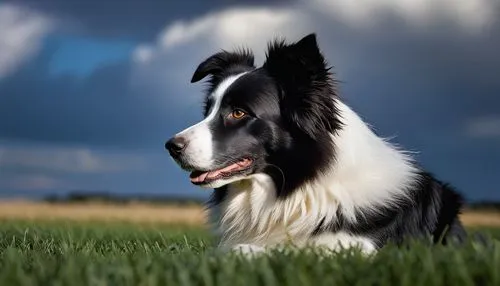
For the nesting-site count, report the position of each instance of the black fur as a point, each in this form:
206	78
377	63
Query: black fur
306	84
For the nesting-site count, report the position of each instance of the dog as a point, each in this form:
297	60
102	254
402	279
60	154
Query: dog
290	163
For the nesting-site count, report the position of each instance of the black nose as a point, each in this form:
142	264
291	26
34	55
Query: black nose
175	145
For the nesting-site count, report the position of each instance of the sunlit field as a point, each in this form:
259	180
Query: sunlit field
120	245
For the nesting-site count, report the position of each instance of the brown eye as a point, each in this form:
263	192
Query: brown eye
238	114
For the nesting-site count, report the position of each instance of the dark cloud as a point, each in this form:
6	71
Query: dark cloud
440	74
141	20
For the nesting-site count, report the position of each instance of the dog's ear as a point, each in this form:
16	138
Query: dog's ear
307	89
223	62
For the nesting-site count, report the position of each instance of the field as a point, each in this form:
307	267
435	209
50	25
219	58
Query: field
44	246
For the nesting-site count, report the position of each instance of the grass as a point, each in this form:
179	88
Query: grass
86	253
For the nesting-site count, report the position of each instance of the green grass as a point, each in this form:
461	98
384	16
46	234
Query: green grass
123	254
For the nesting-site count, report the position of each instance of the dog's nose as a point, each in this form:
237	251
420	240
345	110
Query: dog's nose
175	145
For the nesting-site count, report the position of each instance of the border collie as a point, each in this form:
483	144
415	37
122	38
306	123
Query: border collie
290	163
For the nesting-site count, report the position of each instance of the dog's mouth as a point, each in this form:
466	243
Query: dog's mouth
205	177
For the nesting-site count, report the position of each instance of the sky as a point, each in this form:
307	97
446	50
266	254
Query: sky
90	91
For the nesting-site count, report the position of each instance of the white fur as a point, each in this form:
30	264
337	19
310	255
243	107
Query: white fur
368	172
341	240
248	249
199	151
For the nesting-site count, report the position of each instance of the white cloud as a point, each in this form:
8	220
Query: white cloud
484	127
470	14
31	182
229	27
226	29
72	160
21	35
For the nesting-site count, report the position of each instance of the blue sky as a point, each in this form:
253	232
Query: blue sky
80	55
89	92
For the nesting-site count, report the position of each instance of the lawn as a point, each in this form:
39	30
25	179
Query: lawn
91	253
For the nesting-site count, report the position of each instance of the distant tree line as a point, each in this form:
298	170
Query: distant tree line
484	205
107	197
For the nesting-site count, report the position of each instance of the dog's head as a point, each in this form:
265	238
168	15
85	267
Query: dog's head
278	116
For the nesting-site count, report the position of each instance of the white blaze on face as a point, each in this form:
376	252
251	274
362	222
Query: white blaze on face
199	151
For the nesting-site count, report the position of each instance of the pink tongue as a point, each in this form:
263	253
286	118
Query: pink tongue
200	178
213	174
